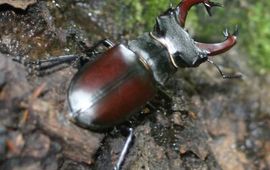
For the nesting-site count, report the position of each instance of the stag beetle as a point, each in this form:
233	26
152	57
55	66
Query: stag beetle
105	92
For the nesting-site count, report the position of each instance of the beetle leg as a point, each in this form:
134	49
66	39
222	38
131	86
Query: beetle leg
185	5
47	66
218	48
92	51
41	66
107	43
225	76
124	151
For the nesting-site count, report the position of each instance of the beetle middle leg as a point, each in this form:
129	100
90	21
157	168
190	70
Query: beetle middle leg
52	64
46	66
94	50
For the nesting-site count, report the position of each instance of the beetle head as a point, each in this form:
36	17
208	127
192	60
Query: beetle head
182	48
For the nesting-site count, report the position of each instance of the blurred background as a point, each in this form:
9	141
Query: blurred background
251	17
212	123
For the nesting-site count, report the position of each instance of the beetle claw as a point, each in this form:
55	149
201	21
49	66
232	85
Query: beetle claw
208	5
226	33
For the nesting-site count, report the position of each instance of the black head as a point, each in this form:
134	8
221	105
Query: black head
180	45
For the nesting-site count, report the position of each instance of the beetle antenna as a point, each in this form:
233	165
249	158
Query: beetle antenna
225	76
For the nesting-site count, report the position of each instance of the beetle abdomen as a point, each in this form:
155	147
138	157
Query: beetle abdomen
107	91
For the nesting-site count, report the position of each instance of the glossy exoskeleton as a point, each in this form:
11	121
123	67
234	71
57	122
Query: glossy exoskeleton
122	79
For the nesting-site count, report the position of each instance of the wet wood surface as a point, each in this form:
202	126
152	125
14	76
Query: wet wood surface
209	124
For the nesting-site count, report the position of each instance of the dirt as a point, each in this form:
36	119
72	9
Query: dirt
210	123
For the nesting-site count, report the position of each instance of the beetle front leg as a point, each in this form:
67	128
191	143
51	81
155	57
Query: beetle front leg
223	75
185	6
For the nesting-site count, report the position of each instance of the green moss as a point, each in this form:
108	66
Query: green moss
139	15
258	35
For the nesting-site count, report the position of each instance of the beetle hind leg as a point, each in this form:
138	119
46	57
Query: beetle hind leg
125	149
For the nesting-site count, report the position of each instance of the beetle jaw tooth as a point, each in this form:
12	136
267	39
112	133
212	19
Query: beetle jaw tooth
209	5
227	33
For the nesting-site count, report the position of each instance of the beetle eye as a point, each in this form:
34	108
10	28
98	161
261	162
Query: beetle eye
203	55
178	54
178	59
200	59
